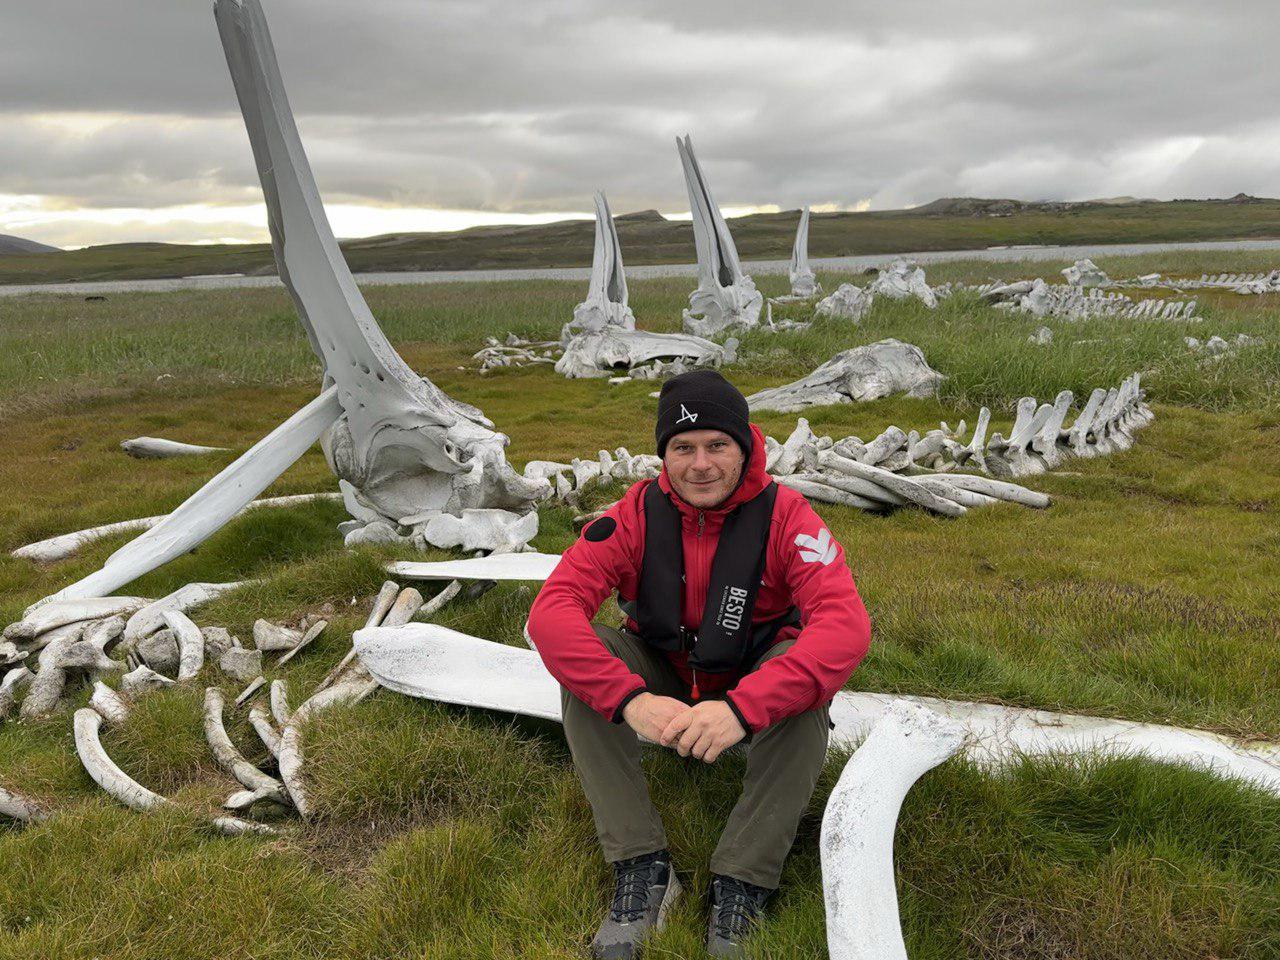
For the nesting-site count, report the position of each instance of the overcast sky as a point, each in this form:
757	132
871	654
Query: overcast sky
120	122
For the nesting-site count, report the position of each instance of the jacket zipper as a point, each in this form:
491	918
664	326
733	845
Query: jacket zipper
702	522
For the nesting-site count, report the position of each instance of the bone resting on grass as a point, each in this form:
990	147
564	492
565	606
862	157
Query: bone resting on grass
348	683
893	470
611	350
20	808
209	508
151	617
68	544
1075	302
848	302
1040	440
429	661
120	786
502	566
862	373
229	758
858	826
902	280
155	448
63	643
640	354
290	757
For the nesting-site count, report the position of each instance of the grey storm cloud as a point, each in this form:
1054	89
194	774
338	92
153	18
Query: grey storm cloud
524	107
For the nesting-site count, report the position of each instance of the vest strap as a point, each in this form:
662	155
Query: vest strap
726	638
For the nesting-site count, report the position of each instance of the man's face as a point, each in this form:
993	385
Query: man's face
703	466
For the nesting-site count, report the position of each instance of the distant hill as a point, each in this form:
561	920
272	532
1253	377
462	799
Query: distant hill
950	223
979	207
18	245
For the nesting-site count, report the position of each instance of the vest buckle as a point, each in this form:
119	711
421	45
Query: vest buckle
687	639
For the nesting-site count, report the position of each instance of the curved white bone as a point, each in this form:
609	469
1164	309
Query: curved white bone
109	703
279	700
430	661
190	644
229	758
266	731
290	756
157	448
120	786
151	617
44	617
103	769
858	827
17	807
402	442
14	680
67	544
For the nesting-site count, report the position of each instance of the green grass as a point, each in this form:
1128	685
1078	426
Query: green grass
1145	592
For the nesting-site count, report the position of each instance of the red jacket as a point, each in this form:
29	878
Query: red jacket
804	567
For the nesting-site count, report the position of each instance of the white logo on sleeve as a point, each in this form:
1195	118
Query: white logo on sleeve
686	415
820	549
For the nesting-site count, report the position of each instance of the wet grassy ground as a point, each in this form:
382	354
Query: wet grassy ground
1145	592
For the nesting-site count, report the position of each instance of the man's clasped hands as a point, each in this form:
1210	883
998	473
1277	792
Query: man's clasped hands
705	730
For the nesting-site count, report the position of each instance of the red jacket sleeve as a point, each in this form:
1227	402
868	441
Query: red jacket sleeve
560	621
835	629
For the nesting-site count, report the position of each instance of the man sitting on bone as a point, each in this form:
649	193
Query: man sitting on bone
742	623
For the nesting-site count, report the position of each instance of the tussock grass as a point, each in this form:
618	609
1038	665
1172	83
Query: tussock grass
1145	592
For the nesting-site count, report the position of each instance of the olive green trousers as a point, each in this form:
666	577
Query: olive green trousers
783	764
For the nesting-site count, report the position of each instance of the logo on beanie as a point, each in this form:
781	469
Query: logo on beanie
686	415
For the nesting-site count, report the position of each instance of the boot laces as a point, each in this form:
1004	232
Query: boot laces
631	890
737	907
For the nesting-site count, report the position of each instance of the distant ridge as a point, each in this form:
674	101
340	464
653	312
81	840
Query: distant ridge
1003	207
950	223
19	245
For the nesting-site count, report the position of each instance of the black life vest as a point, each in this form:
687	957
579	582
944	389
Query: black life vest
726	639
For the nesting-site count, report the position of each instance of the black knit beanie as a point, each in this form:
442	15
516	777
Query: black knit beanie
702	400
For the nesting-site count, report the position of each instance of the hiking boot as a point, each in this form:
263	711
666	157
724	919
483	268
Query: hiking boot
644	889
736	907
